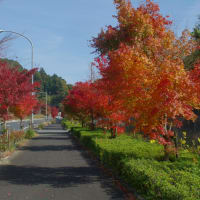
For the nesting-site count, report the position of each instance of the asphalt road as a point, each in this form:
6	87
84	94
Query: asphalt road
53	167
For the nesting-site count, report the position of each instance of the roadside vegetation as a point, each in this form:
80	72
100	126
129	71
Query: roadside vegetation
141	165
19	98
148	85
10	141
144	80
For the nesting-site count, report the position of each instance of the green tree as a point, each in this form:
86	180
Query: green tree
55	86
192	59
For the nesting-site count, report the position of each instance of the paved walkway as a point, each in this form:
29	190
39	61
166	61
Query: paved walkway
53	167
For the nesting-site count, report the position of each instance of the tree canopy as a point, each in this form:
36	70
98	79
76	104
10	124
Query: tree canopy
55	86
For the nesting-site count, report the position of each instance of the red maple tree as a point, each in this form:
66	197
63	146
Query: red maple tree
24	107
15	85
54	111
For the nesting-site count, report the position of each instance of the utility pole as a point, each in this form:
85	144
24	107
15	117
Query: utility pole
46	108
92	74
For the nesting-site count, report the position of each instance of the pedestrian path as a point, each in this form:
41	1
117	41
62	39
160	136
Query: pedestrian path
53	167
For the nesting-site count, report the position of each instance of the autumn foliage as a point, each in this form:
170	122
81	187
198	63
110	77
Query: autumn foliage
54	111
24	107
142	75
16	92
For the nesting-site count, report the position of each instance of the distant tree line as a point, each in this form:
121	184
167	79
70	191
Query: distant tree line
55	86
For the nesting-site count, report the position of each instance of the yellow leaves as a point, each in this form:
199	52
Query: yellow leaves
183	142
152	141
147	31
184	133
145	80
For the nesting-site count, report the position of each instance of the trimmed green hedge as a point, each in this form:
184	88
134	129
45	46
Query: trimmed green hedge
139	163
68	125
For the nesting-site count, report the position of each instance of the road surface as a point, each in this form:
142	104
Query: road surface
53	167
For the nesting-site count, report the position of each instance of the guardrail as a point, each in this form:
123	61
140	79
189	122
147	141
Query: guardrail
15	124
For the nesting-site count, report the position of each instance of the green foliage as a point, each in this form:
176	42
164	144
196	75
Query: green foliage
12	63
194	147
55	86
191	60
30	133
40	126
69	124
196	31
140	164
3	142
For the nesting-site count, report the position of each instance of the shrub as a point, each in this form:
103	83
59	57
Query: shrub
41	126
69	124
3	142
139	163
16	136
29	134
9	141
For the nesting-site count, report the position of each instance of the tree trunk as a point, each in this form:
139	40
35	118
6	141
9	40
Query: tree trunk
4	126
92	118
166	156
113	132
176	143
21	125
82	123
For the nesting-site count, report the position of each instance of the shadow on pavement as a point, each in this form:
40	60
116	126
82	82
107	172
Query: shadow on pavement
47	132
56	177
53	127
49	148
51	138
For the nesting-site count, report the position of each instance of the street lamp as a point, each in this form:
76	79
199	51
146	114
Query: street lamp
1	31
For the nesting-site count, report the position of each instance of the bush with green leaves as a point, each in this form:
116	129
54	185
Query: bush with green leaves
30	133
69	124
41	126
139	163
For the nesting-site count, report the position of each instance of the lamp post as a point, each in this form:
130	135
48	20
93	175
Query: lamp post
1	31
46	108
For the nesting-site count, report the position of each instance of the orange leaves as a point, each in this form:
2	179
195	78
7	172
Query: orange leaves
24	107
143	73
137	26
15	86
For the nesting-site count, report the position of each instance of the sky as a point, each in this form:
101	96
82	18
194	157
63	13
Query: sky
61	30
